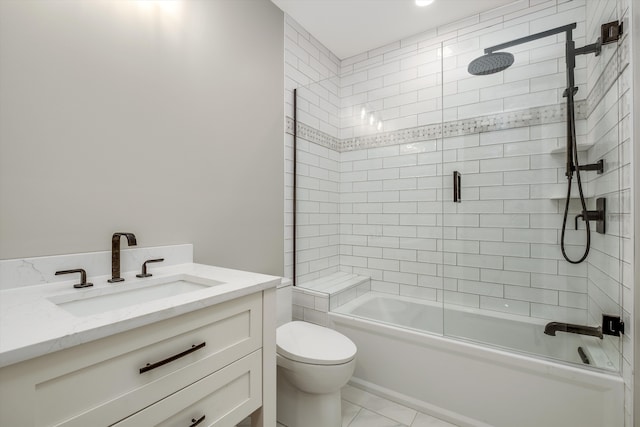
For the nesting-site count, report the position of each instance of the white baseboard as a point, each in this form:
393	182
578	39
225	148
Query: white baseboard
418	405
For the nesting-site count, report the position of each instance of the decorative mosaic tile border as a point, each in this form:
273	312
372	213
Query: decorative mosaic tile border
489	123
313	135
288	125
509	120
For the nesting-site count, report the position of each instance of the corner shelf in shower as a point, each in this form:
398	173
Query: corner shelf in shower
581	147
573	197
562	195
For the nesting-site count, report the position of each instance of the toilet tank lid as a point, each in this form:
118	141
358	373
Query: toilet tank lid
308	343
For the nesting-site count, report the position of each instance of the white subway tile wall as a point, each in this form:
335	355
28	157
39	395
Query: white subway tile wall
485	250
513	183
312	69
379	143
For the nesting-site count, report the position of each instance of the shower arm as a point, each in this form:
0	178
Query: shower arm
532	37
591	48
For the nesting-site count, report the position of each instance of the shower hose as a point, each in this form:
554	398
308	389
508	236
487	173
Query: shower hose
574	153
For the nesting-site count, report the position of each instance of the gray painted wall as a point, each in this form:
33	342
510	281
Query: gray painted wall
163	118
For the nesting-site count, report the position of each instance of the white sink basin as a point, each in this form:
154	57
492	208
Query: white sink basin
121	295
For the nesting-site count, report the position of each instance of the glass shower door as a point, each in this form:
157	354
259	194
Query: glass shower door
368	189
504	144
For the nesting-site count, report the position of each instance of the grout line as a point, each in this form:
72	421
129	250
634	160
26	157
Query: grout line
355	416
414	418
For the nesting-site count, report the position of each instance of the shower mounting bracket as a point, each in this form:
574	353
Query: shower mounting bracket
611	32
598	167
612	325
566	92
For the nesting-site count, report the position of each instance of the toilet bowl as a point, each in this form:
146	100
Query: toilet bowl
314	363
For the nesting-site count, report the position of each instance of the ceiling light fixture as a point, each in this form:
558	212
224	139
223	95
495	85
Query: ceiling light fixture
423	3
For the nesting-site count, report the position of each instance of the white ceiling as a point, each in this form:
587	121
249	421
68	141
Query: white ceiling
350	27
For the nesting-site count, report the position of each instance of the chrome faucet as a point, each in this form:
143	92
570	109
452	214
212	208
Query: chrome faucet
552	327
115	254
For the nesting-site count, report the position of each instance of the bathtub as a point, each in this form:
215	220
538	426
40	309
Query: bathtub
403	356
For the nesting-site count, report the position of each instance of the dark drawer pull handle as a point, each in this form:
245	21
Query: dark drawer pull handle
196	422
151	366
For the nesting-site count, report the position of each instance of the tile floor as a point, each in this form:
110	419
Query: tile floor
364	409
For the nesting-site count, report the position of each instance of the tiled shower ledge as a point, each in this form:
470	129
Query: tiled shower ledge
335	283
314	299
508	120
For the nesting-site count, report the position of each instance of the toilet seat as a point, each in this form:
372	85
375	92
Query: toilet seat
312	344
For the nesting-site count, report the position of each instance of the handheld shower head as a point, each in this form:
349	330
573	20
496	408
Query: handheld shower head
490	63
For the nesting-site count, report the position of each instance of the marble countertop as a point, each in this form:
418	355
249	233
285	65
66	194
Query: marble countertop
31	325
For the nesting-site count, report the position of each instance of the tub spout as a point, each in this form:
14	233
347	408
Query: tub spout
552	327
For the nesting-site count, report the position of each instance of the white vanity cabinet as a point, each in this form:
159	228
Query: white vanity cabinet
207	367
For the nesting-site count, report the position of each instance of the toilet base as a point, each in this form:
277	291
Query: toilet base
296	408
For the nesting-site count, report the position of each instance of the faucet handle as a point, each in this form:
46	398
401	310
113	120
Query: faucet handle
83	277
144	267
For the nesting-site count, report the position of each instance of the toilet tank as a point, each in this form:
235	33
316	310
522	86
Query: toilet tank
284	301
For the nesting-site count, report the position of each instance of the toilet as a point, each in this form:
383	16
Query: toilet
314	363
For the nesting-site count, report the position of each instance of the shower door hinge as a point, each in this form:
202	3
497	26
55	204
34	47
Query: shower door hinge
612	325
611	32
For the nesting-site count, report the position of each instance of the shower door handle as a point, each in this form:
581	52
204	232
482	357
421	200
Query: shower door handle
457	187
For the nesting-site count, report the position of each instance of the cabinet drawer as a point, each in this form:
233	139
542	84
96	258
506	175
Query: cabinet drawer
221	399
192	346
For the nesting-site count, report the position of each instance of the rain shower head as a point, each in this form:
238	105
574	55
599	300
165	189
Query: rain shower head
493	62
490	63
